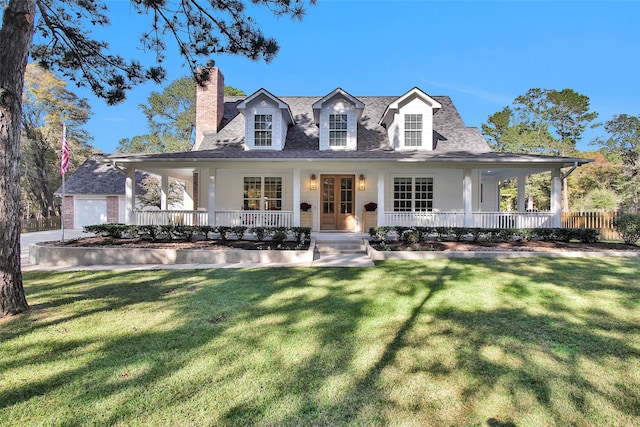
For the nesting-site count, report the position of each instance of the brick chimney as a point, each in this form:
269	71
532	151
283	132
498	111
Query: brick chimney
209	104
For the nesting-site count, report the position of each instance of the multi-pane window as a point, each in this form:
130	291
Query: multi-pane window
263	130
262	193
273	193
337	130
413	130
412	194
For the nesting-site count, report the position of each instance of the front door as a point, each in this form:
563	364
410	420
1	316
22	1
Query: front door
337	212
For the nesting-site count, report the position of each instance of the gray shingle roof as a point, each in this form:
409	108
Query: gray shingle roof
455	142
98	178
450	133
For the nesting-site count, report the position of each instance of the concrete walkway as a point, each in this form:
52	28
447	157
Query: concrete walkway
26	239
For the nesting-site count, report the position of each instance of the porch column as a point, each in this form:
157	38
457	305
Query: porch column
211	203
164	191
296	197
187	198
381	220
129	195
522	180
467	197
556	198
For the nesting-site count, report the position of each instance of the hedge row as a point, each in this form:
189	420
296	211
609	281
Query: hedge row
188	232
419	234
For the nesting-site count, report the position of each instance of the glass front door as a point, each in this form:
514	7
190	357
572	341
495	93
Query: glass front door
338	194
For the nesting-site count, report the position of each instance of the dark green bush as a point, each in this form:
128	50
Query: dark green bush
238	231
117	231
261	233
301	234
224	232
460	232
380	233
628	226
279	235
442	232
410	237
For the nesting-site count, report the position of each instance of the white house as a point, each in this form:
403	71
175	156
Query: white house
257	158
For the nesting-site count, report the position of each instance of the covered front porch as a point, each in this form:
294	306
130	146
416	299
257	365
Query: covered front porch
407	195
405	219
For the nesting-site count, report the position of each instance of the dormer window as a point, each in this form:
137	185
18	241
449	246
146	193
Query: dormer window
413	130
337	130
337	116
263	125
266	122
409	121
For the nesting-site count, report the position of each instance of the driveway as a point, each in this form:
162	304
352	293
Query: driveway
27	239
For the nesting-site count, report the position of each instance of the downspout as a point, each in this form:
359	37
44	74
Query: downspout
566	174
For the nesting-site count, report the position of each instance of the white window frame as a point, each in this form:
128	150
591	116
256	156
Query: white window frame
407	199
263	130
338	129
264	199
412	132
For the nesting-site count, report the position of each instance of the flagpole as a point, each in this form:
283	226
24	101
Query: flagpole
64	167
62	213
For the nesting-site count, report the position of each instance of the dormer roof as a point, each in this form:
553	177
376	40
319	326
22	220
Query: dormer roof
283	106
394	107
317	106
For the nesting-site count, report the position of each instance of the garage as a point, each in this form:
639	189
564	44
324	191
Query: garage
90	211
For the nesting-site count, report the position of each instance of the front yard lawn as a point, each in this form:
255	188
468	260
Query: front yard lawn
524	342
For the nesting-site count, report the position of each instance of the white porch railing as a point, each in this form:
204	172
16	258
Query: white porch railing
161	217
479	219
424	219
513	219
255	218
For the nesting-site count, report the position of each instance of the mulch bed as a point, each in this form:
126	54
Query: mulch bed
110	242
522	246
533	246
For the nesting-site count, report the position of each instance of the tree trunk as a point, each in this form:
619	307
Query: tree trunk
16	36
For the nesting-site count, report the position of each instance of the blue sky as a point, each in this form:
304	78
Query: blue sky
480	53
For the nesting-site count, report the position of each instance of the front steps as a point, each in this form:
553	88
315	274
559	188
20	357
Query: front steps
341	249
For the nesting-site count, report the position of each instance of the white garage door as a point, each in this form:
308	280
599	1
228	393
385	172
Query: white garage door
90	212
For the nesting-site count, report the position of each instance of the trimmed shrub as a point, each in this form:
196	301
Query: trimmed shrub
238	231
279	235
224	232
261	233
117	231
301	233
628	226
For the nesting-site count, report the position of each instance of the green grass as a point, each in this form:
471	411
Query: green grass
480	342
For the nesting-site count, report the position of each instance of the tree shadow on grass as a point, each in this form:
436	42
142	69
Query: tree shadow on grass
290	346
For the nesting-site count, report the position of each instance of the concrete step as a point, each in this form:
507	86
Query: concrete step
342	246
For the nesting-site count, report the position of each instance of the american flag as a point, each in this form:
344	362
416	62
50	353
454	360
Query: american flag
64	158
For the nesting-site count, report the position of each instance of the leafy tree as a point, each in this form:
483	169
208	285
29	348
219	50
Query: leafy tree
200	28
542	121
46	105
624	143
171	119
597	185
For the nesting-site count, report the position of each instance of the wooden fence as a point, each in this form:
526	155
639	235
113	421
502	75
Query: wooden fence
600	220
40	224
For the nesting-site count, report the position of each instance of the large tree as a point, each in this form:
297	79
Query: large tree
171	116
624	143
46	104
200	28
542	121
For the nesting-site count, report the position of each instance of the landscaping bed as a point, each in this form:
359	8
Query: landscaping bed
514	246
111	242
